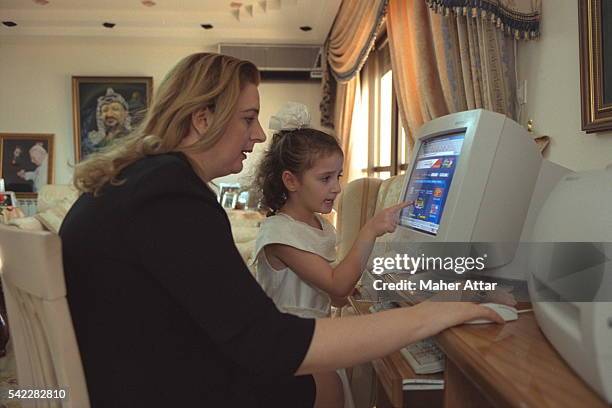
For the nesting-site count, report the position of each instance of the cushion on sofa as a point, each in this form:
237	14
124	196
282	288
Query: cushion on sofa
53	216
51	195
244	234
245	225
53	202
27	223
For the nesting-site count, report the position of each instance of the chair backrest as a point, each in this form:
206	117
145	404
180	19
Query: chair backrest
360	200
40	325
389	192
355	206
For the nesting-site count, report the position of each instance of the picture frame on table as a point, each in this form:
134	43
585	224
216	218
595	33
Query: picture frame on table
26	162
8	199
106	109
228	195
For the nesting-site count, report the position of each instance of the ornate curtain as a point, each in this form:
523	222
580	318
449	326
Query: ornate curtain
347	95
519	18
347	47
449	63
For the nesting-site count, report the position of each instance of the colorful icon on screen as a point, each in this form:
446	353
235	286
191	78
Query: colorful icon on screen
438	192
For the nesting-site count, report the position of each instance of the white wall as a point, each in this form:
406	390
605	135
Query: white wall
272	96
552	69
36	85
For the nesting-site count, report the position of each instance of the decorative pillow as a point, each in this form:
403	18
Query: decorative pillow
8	213
246	251
245	218
27	223
244	234
50	195
52	217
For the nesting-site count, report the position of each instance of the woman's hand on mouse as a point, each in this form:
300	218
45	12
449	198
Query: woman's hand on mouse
449	314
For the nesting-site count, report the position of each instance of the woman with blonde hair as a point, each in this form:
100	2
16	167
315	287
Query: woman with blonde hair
164	309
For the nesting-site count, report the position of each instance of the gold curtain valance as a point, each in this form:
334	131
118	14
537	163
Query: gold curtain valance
347	47
352	36
519	18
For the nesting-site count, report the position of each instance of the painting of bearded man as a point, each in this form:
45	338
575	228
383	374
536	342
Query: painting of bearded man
107	109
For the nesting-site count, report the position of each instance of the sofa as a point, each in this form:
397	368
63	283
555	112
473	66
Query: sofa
359	201
54	201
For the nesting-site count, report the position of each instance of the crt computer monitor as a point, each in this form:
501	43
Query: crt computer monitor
471	177
430	181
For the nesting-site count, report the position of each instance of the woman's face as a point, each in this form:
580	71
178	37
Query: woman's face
242	132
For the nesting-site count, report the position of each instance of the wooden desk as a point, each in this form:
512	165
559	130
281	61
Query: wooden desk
391	371
509	366
494	366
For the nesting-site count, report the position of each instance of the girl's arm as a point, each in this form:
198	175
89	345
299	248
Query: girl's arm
349	341
338	281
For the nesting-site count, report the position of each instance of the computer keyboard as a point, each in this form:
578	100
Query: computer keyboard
383	305
424	357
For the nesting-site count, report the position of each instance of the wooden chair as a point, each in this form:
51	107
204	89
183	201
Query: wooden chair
41	328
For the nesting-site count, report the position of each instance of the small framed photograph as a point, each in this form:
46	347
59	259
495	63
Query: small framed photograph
228	194
8	199
105	109
26	162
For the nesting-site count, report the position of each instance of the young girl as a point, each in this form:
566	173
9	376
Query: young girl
299	177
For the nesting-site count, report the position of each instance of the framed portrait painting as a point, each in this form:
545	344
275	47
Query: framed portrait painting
26	162
595	28
106	109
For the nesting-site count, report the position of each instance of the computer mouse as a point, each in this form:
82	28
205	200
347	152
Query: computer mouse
508	313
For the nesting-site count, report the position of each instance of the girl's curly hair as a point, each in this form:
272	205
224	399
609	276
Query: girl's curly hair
293	150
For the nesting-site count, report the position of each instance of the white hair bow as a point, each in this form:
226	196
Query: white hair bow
291	116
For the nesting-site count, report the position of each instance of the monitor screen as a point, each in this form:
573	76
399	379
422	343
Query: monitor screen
430	181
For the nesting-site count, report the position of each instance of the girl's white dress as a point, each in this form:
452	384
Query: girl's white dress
288	291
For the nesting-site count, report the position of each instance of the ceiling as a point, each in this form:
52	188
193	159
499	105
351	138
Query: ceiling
249	21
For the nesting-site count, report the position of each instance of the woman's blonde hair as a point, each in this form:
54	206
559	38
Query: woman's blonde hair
202	80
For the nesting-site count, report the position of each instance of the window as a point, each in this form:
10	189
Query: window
379	130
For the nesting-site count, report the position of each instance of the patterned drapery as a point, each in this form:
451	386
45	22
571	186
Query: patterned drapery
519	18
443	64
347	47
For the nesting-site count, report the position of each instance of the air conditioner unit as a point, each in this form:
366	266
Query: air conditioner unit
280	62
